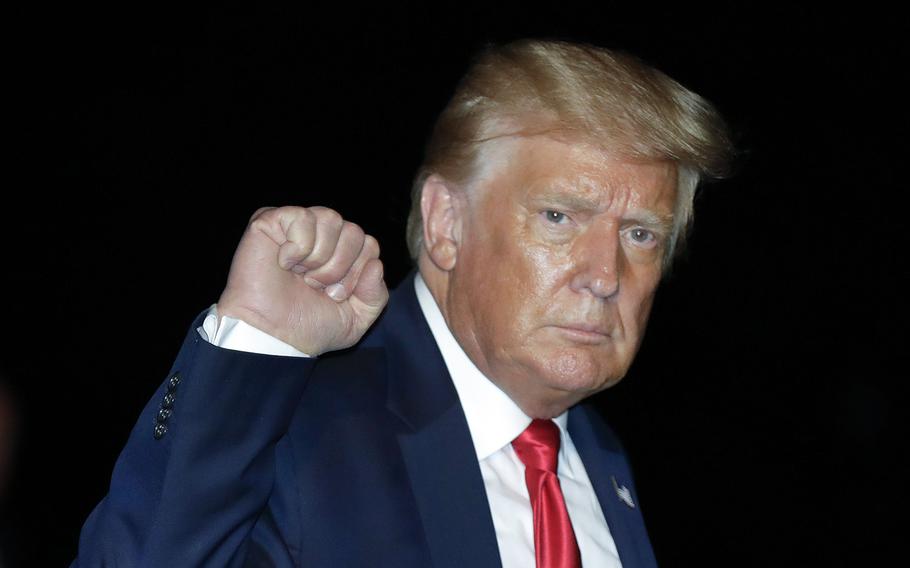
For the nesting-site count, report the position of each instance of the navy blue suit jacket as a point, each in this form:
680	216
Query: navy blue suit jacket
357	458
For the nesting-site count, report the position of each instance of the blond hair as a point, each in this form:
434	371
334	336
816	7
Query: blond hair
584	92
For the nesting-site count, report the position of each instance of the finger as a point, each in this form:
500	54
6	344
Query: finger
281	224
266	220
328	225
371	289
298	229
347	250
343	289
259	212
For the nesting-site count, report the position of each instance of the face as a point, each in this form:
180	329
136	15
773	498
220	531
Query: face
559	250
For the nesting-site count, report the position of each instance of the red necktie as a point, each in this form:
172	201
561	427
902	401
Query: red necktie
554	540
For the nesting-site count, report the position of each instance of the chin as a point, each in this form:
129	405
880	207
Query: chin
577	374
554	394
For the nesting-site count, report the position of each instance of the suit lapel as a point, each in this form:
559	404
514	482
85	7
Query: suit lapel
611	477
439	454
435	443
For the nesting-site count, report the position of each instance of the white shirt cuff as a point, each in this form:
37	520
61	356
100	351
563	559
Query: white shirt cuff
235	334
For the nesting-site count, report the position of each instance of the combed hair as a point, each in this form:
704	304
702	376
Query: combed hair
581	92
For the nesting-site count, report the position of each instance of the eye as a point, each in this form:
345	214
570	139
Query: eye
554	216
642	236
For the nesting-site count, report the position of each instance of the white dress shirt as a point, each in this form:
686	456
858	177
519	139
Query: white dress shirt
494	420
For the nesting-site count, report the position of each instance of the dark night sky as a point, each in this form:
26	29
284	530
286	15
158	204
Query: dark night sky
762	414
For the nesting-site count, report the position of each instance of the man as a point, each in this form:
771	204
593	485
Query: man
556	185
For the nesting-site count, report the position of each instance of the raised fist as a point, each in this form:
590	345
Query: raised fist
307	277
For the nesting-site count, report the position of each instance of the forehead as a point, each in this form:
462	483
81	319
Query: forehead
542	166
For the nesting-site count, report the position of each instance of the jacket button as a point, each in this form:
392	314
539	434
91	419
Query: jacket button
173	382
168	401
160	430
163	414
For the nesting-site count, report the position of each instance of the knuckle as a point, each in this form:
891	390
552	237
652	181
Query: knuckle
293	213
371	245
303	212
353	235
327	215
259	223
259	213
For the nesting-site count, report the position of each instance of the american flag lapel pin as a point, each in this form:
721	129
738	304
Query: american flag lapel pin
623	493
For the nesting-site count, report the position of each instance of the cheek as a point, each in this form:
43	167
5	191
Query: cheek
521	264
535	291
636	306
546	267
518	277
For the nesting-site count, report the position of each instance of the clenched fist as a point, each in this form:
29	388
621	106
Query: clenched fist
307	277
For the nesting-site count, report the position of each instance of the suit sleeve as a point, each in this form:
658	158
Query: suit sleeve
199	467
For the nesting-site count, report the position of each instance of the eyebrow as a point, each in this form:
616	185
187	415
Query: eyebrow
573	201
650	219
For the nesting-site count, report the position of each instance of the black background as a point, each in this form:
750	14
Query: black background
762	414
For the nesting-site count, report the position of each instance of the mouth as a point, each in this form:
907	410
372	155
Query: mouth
584	333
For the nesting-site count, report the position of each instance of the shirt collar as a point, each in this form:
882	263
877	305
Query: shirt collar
493	418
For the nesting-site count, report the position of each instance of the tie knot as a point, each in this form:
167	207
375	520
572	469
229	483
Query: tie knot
538	446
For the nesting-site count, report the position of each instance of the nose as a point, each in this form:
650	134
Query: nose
597	262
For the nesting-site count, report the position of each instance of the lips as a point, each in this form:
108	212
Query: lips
590	327
585	332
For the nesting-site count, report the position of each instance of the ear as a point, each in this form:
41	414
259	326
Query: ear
439	206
